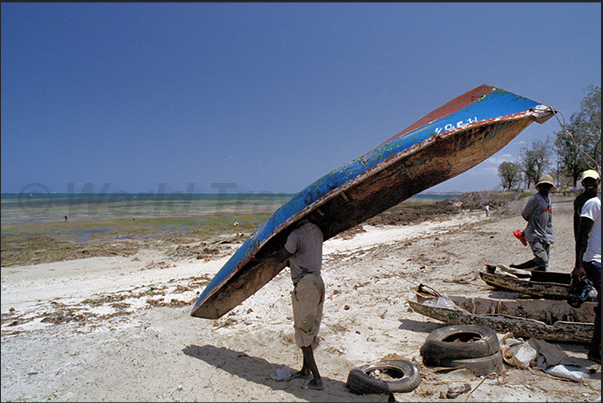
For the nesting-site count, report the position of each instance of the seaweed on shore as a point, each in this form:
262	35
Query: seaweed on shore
34	243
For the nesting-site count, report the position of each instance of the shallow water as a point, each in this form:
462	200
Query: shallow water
31	208
45	207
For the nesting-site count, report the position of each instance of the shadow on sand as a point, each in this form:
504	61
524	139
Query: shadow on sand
259	370
419	326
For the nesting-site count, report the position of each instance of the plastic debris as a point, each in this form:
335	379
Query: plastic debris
442	301
541	355
281	374
562	371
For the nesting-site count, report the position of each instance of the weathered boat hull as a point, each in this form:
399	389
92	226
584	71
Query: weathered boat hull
550	320
445	143
549	285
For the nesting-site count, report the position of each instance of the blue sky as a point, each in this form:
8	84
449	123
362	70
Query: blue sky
266	96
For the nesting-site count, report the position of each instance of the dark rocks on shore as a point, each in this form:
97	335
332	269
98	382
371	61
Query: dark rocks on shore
477	200
411	214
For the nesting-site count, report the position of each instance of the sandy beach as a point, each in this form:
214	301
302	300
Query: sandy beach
118	328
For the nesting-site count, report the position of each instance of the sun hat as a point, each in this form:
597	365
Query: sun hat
591	173
548	179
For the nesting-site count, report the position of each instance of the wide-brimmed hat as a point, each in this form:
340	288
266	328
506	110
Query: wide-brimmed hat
548	179
591	173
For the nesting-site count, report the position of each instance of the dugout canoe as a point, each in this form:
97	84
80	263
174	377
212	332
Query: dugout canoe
536	284
445	143
550	320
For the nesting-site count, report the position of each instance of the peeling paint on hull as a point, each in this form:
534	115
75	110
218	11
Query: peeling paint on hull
440	146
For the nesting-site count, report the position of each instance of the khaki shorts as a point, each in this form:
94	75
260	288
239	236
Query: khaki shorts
308	298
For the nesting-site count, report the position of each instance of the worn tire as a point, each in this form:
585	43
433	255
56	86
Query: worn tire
406	373
442	343
479	366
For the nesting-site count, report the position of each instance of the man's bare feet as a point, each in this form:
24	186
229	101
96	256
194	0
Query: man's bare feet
299	375
314	384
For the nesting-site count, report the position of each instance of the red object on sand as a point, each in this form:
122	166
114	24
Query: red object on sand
519	235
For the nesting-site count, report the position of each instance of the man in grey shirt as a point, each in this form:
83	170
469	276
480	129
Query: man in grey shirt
539	231
303	249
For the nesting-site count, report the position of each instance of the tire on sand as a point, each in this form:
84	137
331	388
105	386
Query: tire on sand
459	342
479	366
405	376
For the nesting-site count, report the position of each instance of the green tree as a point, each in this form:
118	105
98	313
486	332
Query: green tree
510	175
535	161
581	148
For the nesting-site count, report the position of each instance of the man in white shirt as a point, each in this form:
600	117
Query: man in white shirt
588	262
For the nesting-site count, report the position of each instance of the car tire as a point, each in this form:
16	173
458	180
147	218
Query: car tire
459	342
479	366
406	377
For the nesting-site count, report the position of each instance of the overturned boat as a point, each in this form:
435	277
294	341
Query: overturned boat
550	320
443	144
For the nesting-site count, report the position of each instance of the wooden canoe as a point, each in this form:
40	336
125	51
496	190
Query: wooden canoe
539	284
549	320
445	143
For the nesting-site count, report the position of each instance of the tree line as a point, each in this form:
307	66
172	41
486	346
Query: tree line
576	148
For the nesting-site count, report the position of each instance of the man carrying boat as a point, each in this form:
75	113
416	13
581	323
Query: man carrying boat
539	231
588	262
303	250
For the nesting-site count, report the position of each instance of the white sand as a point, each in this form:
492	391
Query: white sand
122	343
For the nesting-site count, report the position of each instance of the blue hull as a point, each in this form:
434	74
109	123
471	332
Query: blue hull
445	143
